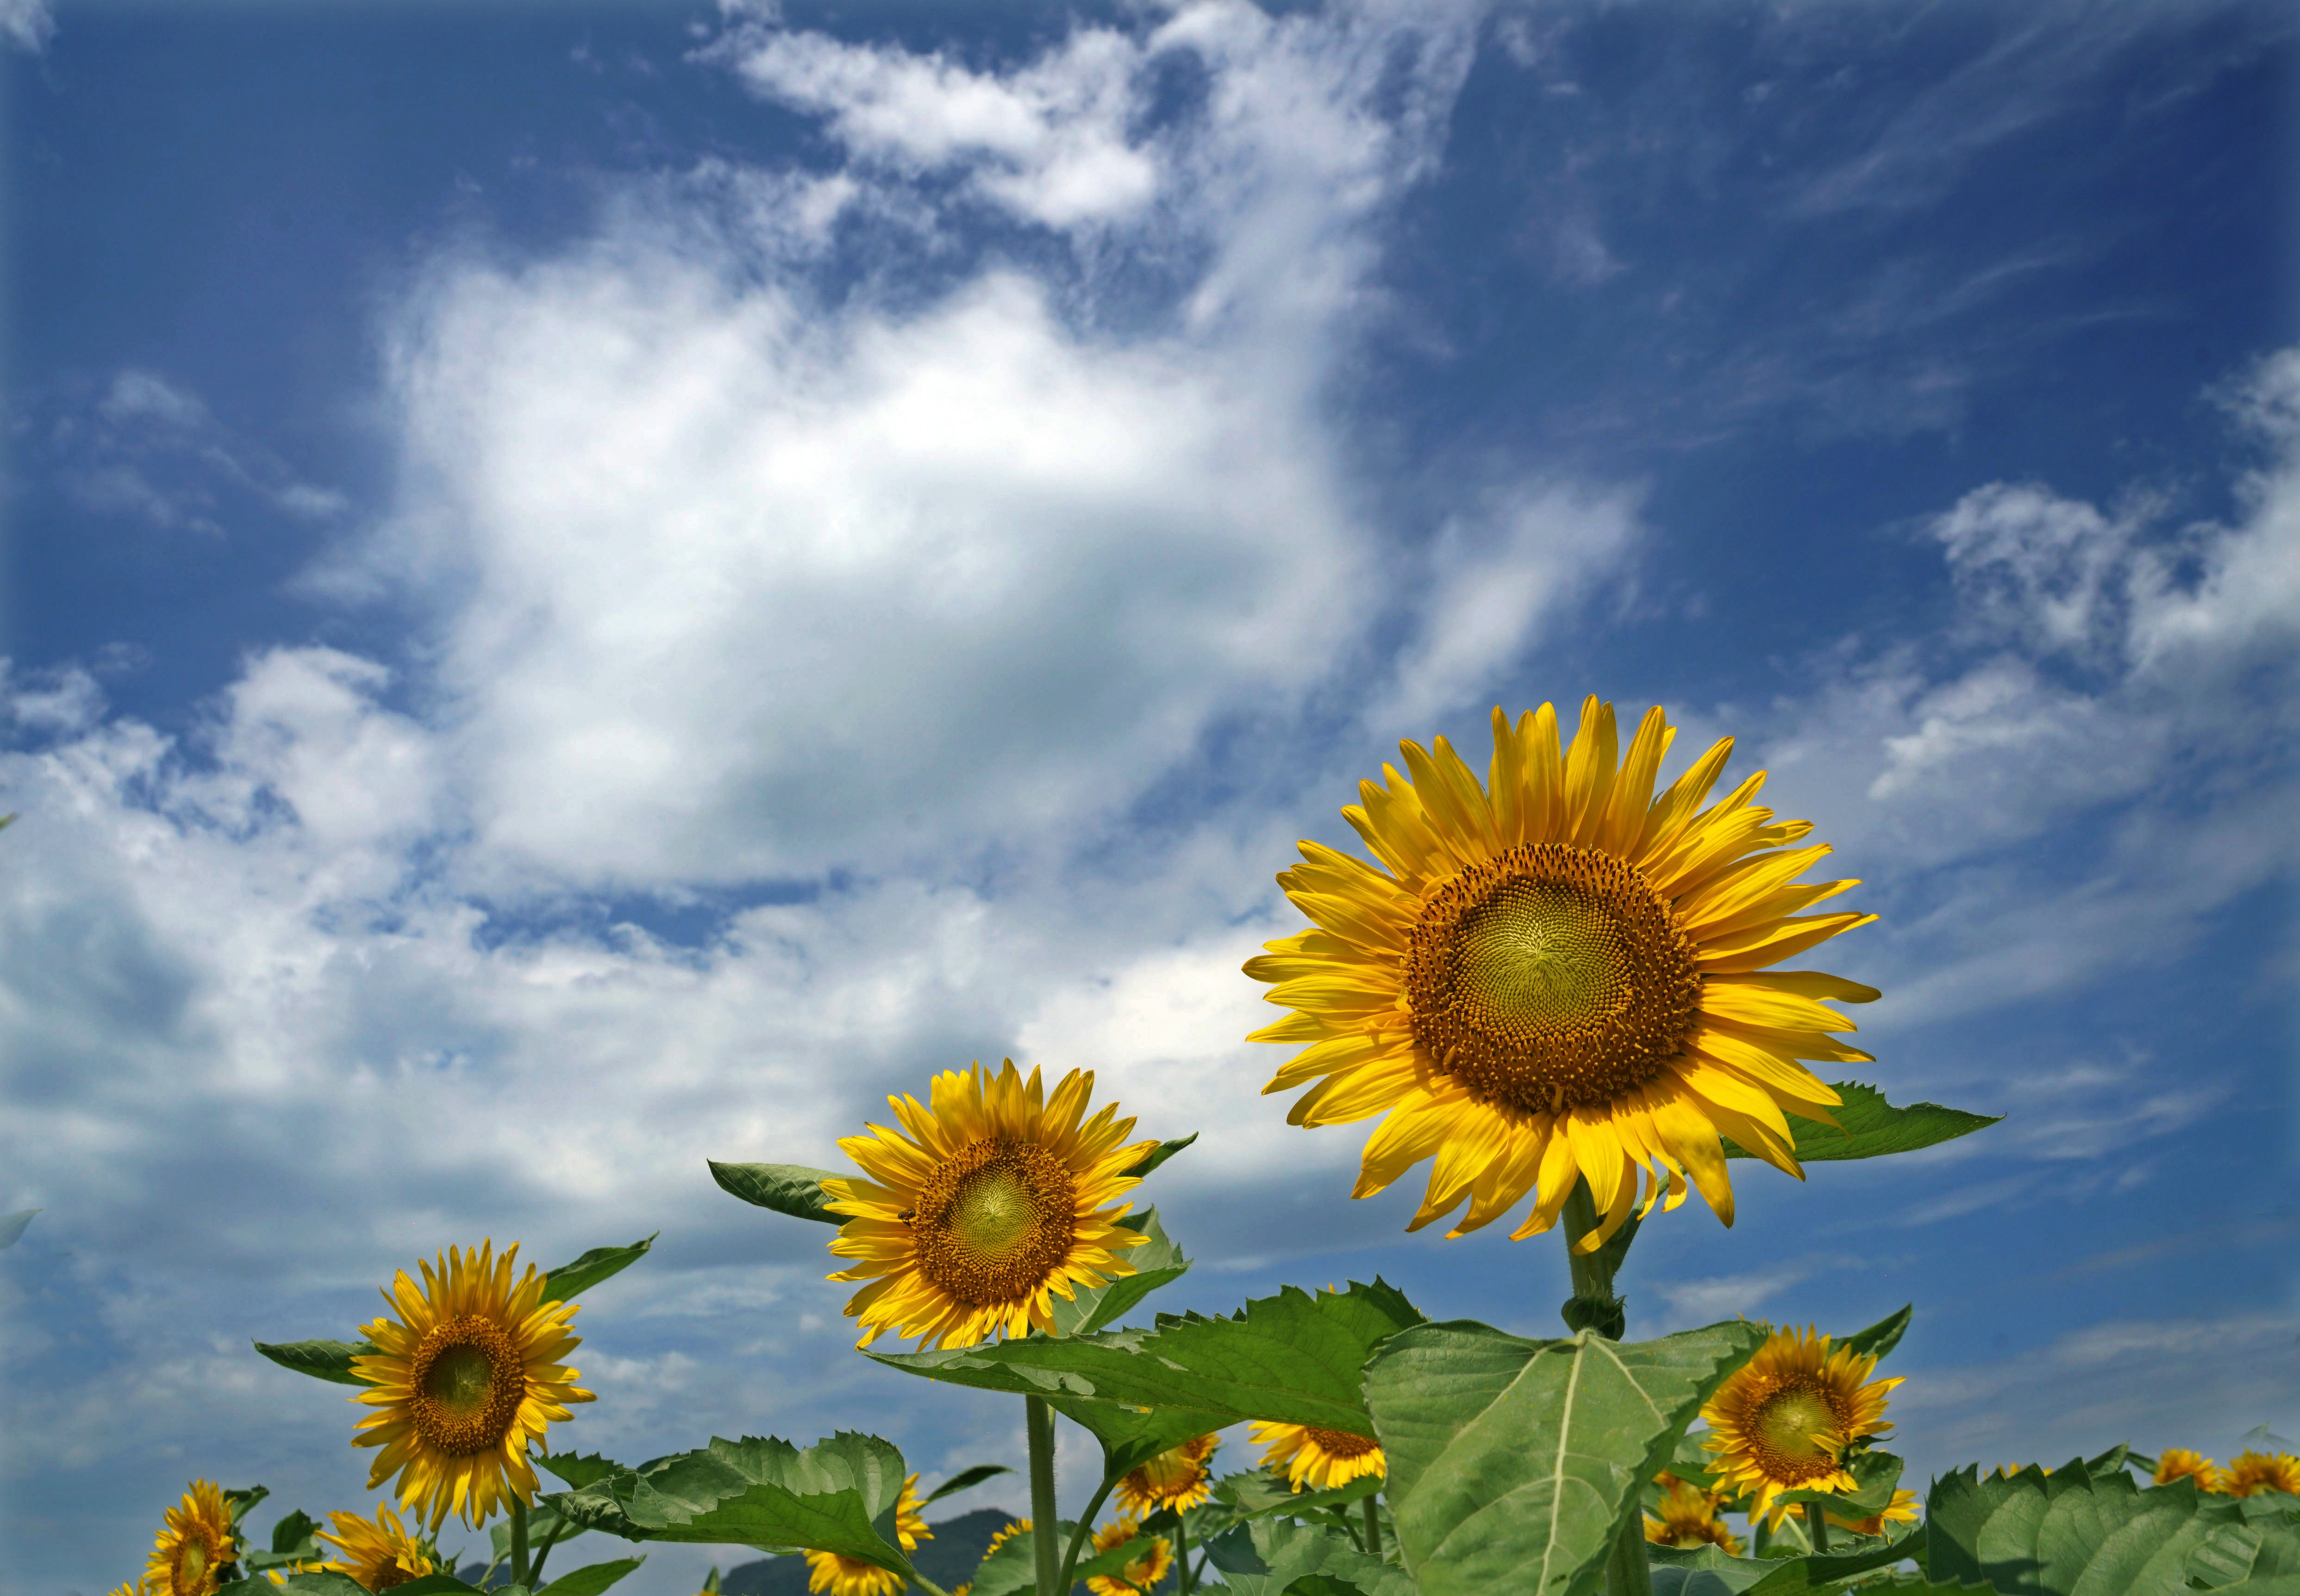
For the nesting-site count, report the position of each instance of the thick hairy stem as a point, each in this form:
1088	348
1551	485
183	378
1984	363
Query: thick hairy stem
1595	1306
1182	1553
1816	1521
519	1542
1627	1571
1078	1535
1373	1527
1044	1521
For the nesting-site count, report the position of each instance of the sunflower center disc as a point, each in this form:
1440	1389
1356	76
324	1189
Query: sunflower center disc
390	1575
191	1563
994	1220
468	1382
1784	1428
1550	976
1341	1443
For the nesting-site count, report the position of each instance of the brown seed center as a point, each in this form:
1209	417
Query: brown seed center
1341	1443
1550	976
468	1383
1783	1430
994	1220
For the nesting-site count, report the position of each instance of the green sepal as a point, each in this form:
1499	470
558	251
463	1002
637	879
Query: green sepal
1158	1155
1884	1336
838	1495
966	1479
591	1579
1875	1474
1157	1262
240	1501
1515	1466
792	1189
2034	1535
1869	1127
1293	1359
1269	1556
570	1280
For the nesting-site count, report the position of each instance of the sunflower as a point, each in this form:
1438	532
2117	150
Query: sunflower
2179	1463
1318	1458
1014	1527
197	1543
2248	1472
1902	1510
467	1378
982	1209
1181	1476
1139	1574
378	1553
852	1576
1554	977
1688	1519
1783	1420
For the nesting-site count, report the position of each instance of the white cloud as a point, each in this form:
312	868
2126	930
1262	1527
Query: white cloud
27	24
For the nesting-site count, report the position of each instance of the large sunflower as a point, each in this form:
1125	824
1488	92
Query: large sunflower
378	1553
838	1575
1140	1574
985	1207
1783	1420
1319	1459
1181	1476
1555	975
467	1378
1688	1518
195	1545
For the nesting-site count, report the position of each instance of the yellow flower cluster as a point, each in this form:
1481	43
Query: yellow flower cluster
2248	1472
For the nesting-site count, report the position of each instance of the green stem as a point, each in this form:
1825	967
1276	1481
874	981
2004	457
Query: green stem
518	1542
1044	1524
1596	1305
1078	1535
558	1527
1627	1571
1816	1522
1373	1529
1182	1553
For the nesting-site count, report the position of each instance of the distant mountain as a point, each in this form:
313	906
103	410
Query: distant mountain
949	1559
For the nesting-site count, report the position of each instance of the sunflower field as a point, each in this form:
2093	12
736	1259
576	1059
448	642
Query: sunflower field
1561	990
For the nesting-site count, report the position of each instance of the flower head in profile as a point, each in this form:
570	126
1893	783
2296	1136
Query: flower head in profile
2179	1463
2251	1472
1901	1509
1140	1574
1688	1518
1014	1527
1181	1476
831	1573
196	1544
1553	976
1783	1420
465	1379
378	1553
1316	1458
984	1206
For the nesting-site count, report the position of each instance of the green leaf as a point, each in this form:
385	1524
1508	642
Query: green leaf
543	1523
1012	1568
1884	1335
315	1583
294	1533
766	1494
11	1226
1157	1262
1242	1498
431	1585
1869	1127
1130	1437
792	1189
1268	1557
1814	1572
1704	1571
1515	1465
240	1501
579	1469
569	1280
1875	1474
1159	1155
320	1359
1292	1358
2034	1534
590	1579
967	1479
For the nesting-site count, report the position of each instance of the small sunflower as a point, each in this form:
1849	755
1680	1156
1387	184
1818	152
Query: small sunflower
2248	1472
1783	1420
1317	1459
1143	1572
197	1543
829	1571
1014	1527
1181	1476
2179	1463
1902	1509
1688	1519
984	1207
140	1588
1554	977
378	1553
468	1377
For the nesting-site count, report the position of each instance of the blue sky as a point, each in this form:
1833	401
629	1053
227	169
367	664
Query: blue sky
590	587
